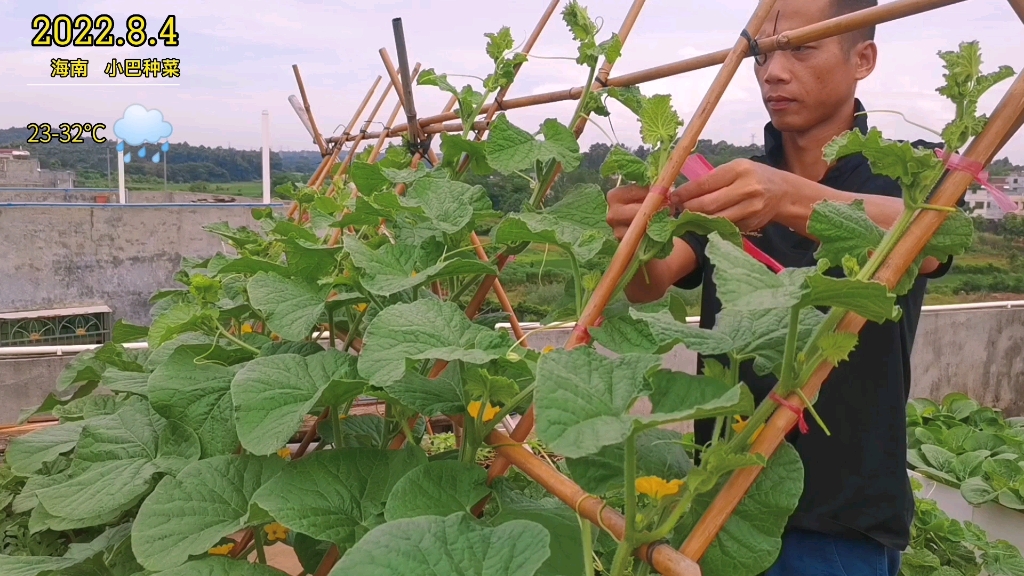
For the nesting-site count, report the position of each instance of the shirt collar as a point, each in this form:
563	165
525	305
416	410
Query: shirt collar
773	138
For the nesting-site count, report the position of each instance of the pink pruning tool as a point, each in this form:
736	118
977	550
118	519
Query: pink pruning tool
697	167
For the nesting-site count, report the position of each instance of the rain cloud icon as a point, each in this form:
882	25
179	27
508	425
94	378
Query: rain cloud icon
140	126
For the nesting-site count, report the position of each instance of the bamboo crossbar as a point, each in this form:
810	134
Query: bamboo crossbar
798	37
663	558
953	187
318	138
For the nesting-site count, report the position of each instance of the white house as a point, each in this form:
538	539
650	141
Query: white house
979	200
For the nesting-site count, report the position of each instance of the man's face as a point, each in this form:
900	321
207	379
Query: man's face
805	86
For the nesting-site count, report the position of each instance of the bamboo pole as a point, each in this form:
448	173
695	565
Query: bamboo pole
657	195
953	187
325	167
661	556
408	102
318	138
525	425
1018	7
348	128
826	29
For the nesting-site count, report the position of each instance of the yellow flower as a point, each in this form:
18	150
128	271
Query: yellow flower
285	453
547	349
342	416
740	425
275	532
489	413
246	329
656	487
275	337
361	307
221	550
414	273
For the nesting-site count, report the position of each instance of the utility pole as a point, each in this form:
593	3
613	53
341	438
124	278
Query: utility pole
165	171
108	167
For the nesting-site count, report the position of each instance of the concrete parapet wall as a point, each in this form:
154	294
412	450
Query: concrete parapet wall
113	255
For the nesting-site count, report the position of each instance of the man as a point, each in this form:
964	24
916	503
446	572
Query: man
857	506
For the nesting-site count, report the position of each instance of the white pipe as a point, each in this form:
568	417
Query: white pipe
61	350
121	195
266	157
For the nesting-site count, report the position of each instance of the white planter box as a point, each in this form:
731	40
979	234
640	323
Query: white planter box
1000	522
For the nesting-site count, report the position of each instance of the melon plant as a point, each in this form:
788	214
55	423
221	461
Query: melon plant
188	443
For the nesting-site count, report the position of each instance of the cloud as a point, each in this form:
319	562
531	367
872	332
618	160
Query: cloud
139	126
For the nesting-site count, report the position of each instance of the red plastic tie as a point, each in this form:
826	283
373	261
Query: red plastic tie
795	409
697	167
977	171
581	333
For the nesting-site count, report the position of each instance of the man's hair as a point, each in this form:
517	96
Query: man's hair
843	7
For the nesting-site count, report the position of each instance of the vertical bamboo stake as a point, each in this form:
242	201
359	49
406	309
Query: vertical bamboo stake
403	66
318	138
953	187
525	425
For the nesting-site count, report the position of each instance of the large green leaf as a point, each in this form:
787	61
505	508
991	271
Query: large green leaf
449	204
131	432
622	162
177	448
421	330
663	227
291	306
511	149
272	394
843	230
196	394
916	169
338	495
437	489
750	541
83	368
576	223
397	267
625	335
452	546
27	454
658	453
188	514
582	398
743	283
562	524
130	382
429	396
871	300
221	567
95	492
179	318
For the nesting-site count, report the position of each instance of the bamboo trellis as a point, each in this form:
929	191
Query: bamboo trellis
1005	121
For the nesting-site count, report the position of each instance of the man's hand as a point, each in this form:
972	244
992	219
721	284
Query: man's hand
749	194
623	204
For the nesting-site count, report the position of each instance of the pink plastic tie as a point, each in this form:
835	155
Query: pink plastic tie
795	409
977	171
697	167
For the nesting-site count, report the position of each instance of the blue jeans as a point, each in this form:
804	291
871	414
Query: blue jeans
813	554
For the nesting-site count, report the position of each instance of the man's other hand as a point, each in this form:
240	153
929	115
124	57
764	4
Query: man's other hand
623	204
745	192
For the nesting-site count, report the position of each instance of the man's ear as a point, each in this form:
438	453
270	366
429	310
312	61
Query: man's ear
865	56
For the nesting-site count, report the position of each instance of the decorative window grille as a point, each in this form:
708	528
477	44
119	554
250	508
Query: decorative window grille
60	327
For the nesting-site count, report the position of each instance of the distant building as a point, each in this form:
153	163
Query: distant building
19	170
979	201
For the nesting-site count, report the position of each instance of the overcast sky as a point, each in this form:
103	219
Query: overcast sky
236	59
